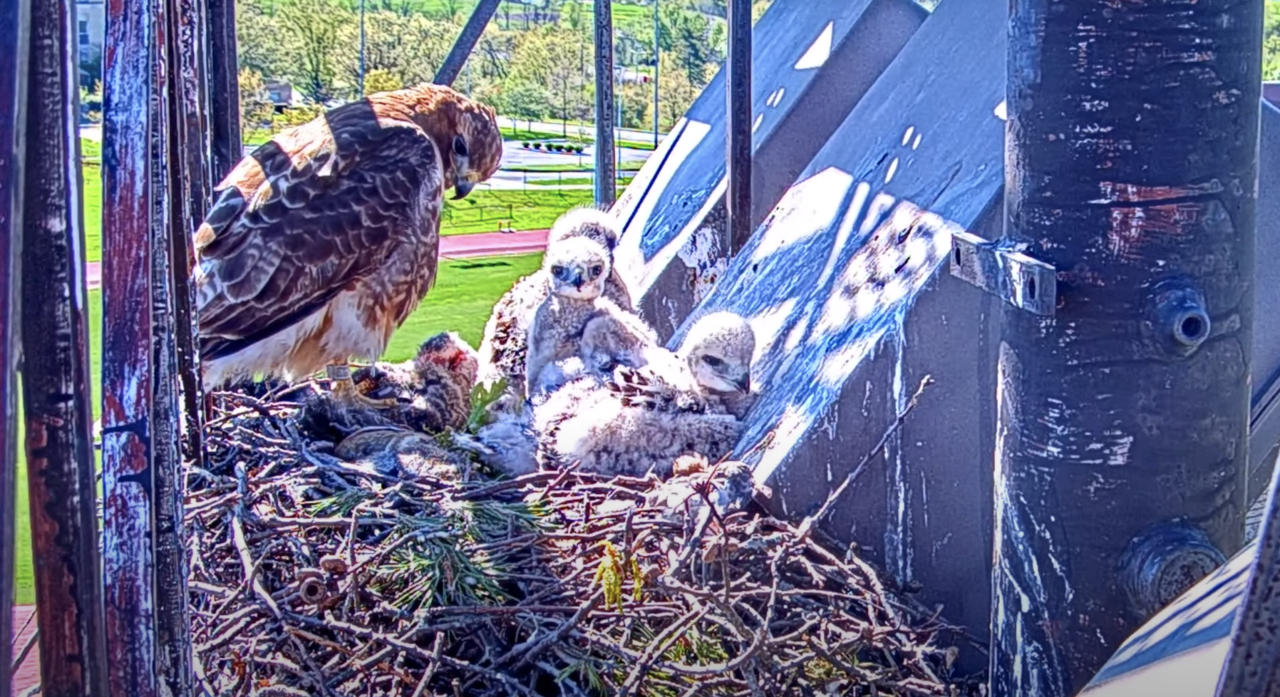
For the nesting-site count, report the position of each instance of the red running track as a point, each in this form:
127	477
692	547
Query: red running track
28	674
484	244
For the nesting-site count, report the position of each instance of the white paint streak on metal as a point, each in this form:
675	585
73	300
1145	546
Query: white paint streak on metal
897	536
1007	623
924	496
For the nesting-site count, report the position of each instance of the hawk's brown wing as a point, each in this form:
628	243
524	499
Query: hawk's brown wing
304	217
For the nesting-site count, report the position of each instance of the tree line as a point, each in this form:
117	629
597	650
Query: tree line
532	62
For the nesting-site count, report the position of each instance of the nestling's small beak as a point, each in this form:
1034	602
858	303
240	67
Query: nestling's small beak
461	188
743	383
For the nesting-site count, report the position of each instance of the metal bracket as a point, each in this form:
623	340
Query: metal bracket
1026	283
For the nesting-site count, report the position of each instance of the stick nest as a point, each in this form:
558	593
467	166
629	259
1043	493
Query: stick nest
312	575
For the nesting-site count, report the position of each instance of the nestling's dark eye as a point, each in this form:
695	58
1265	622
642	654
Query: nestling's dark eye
595	270
557	271
712	361
459	146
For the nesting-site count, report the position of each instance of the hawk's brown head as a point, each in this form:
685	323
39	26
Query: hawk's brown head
465	131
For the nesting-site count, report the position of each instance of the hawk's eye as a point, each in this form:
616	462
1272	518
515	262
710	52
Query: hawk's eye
595	270
459	146
713	361
557	271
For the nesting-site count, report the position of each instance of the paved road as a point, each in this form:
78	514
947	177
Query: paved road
483	244
585	131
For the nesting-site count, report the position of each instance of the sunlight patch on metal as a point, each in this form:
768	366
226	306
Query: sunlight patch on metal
811	62
844	343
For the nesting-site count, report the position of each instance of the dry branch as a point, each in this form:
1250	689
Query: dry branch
312	575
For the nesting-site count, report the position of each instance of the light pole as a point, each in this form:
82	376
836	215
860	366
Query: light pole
361	48
657	60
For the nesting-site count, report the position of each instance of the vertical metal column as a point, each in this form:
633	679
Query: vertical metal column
738	132
192	186
466	43
605	186
142	552
15	26
1122	440
170	168
56	383
224	97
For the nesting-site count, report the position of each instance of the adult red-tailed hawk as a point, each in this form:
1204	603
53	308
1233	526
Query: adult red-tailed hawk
325	239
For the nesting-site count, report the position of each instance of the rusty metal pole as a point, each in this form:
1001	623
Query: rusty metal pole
1122	437
190	181
15	26
172	171
56	383
133	206
738	130
466	43
224	95
605	186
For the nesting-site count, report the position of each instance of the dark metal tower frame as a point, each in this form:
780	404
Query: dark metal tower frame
1122	440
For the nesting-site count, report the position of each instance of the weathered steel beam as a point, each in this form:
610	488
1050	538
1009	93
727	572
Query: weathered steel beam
846	286
142	550
1122	437
224	91
466	42
1250	669
191	183
176	205
15	26
605	184
56	384
811	63
738	225
1250	666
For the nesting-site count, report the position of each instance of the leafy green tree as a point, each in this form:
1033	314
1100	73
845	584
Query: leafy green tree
675	94
376	81
408	48
560	61
691	37
1271	42
261	41
313	36
256	109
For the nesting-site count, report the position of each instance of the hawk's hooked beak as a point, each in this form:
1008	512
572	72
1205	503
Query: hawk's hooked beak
462	184
743	383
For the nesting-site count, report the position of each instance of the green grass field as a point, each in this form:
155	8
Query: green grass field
464	294
485	210
624	167
575	181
